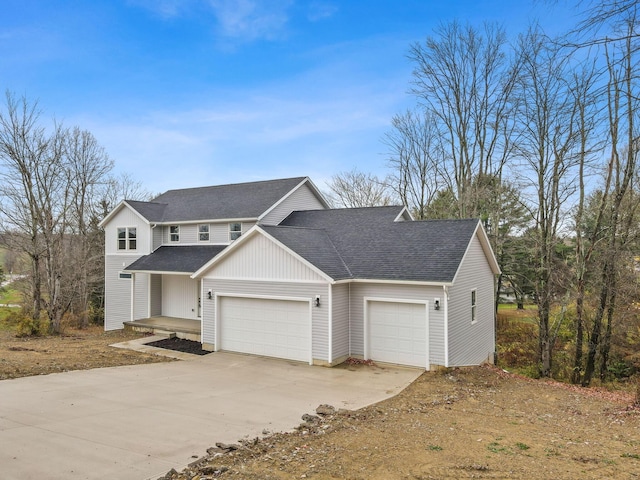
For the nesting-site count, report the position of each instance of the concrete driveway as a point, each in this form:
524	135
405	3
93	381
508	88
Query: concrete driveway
138	422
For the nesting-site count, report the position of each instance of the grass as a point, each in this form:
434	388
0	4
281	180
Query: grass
10	296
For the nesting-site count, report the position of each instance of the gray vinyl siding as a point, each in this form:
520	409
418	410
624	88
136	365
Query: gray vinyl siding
401	292
117	303
340	320
141	309
157	233
471	344
127	218
302	199
155	289
308	291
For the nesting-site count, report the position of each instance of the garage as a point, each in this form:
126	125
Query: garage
262	326
397	332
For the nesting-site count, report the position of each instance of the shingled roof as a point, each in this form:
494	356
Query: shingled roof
177	259
233	201
370	245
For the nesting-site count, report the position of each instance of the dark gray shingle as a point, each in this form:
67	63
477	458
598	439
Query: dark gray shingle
188	258
373	246
234	201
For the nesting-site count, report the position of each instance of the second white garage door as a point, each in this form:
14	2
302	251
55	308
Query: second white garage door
274	328
398	333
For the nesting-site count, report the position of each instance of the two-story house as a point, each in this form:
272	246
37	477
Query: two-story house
267	268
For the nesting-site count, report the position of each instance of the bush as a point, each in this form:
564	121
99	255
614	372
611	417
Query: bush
25	325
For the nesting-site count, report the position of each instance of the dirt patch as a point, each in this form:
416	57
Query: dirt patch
180	345
466	423
75	350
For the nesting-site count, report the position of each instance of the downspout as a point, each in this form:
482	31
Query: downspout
330	318
445	297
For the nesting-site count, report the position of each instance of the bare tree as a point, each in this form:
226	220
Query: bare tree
548	137
416	160
464	81
49	196
356	189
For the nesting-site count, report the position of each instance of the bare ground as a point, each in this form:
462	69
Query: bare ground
466	423
75	350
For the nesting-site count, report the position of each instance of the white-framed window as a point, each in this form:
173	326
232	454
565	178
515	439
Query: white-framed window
174	233
124	276
203	233
235	230
474	296
127	238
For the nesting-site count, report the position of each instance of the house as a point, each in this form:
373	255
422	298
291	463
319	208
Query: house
267	268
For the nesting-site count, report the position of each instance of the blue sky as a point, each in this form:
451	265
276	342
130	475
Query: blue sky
187	93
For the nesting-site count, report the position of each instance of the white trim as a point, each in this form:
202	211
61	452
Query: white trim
367	354
486	248
330	321
209	220
122	272
255	230
208	232
474	306
158	272
173	242
127	239
256	279
445	299
119	207
133	297
398	282
313	189
217	320
401	214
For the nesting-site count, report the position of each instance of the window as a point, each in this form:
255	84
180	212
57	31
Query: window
235	230
473	306
127	238
174	233
203	233
124	276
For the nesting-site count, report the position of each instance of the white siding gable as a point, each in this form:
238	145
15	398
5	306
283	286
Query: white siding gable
127	218
260	258
302	198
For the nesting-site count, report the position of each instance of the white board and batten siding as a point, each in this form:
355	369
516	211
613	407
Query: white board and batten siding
302	198
180	296
364	294
471	343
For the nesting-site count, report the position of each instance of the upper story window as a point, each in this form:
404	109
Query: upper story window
203	233
235	230
474	318
127	238
174	233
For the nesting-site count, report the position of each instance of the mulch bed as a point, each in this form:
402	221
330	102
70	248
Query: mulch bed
180	345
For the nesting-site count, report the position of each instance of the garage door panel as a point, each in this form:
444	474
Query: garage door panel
269	327
398	332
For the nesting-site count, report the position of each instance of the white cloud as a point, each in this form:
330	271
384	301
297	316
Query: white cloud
248	20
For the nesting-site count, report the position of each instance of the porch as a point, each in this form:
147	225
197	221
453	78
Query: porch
174	327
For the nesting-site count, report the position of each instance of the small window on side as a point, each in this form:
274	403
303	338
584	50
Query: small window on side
203	233
235	230
124	276
474	318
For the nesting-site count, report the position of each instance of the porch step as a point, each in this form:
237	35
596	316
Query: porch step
167	326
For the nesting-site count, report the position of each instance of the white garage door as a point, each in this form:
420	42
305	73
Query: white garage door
274	328
398	333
